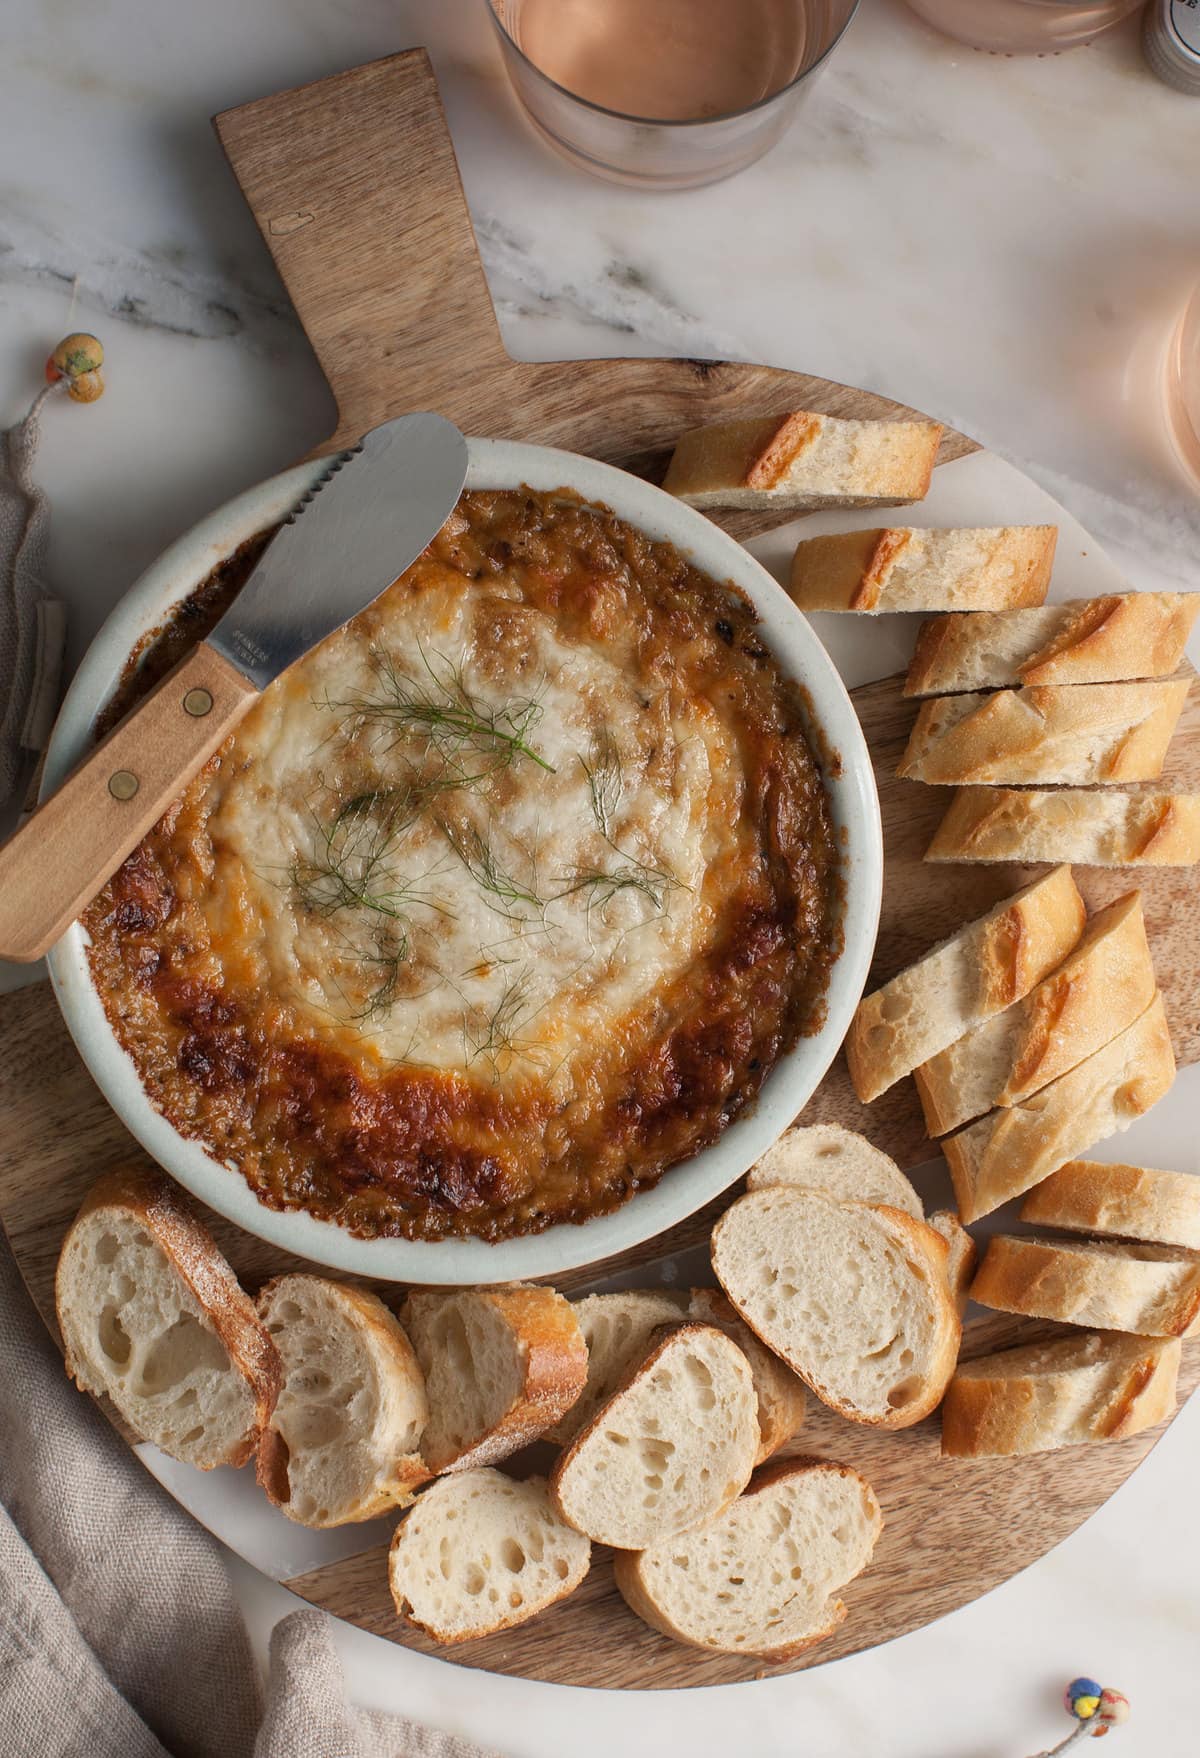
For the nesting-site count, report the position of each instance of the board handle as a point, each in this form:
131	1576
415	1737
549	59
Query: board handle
355	187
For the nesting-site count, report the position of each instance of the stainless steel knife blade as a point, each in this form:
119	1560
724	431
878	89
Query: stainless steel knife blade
355	532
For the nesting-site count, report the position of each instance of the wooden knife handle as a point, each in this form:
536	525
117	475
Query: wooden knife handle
57	862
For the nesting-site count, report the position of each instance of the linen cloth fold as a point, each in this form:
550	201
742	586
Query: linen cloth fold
119	1633
33	624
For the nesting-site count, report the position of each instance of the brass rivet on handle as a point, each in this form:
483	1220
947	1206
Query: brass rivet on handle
123	784
198	703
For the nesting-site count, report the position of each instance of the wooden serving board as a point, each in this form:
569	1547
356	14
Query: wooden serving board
354	185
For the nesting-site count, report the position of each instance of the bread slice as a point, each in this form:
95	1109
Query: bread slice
152	1315
904	568
1152	1290
855	1299
1093	827
1114	639
480	1553
343	1440
1100	1386
778	1391
763	1577
961	1256
1097	992
804	460
1077	734
619	1331
824	1156
1002	1154
501	1366
1121	1201
672	1446
976	973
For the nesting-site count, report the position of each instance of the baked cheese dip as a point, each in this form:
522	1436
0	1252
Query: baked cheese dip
502	901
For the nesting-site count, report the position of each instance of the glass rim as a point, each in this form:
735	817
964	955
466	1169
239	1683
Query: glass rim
673	121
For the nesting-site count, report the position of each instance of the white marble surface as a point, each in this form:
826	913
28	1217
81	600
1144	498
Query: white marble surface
1003	243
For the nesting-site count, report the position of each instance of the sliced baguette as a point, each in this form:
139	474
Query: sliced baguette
671	1447
1097	992
903	568
762	1577
824	1156
977	972
1100	1386
619	1331
1121	1201
1095	827
480	1553
854	1298
1076	734
804	460
501	1366
1085	641
344	1437
1152	1290
1002	1154
961	1256
778	1391
153	1316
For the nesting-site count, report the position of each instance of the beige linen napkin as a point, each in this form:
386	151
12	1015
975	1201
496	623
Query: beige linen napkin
33	625
119	1633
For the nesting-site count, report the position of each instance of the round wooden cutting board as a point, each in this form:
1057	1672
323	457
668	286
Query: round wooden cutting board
354	185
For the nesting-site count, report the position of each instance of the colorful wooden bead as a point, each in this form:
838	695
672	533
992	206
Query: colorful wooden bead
1082	1698
75	355
1113	1710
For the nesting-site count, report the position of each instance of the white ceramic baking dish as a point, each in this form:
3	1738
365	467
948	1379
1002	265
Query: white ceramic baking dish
687	1186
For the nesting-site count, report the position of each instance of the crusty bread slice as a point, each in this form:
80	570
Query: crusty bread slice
480	1553
854	1298
977	972
152	1315
906	568
762	1577
1121	1201
344	1437
804	460
961	1256
1073	734
1002	1154
824	1156
780	1392
619	1331
1100	1386
1098	991
1095	827
501	1366
1106	640
672	1446
1152	1290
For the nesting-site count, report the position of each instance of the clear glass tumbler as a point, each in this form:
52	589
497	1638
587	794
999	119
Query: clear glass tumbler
1183	387
1023	27
665	94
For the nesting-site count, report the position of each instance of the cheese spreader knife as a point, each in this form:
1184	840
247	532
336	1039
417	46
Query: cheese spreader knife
356	531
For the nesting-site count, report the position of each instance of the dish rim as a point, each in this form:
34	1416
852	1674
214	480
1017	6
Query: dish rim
684	1187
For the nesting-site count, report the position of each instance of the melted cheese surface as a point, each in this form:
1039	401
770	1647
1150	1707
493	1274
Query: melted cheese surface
452	838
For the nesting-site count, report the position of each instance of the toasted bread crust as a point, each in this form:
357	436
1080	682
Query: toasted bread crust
781	1399
1098	991
1112	1288
914	568
1119	1201
1001	1155
1003	1415
555	1369
200	1265
1077	735
763	461
1111	639
1007	952
1094	829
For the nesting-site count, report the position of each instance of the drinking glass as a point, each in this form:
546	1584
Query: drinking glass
665	94
1023	27
1183	387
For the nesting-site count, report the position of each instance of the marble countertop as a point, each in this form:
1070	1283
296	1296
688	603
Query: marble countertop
1003	243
